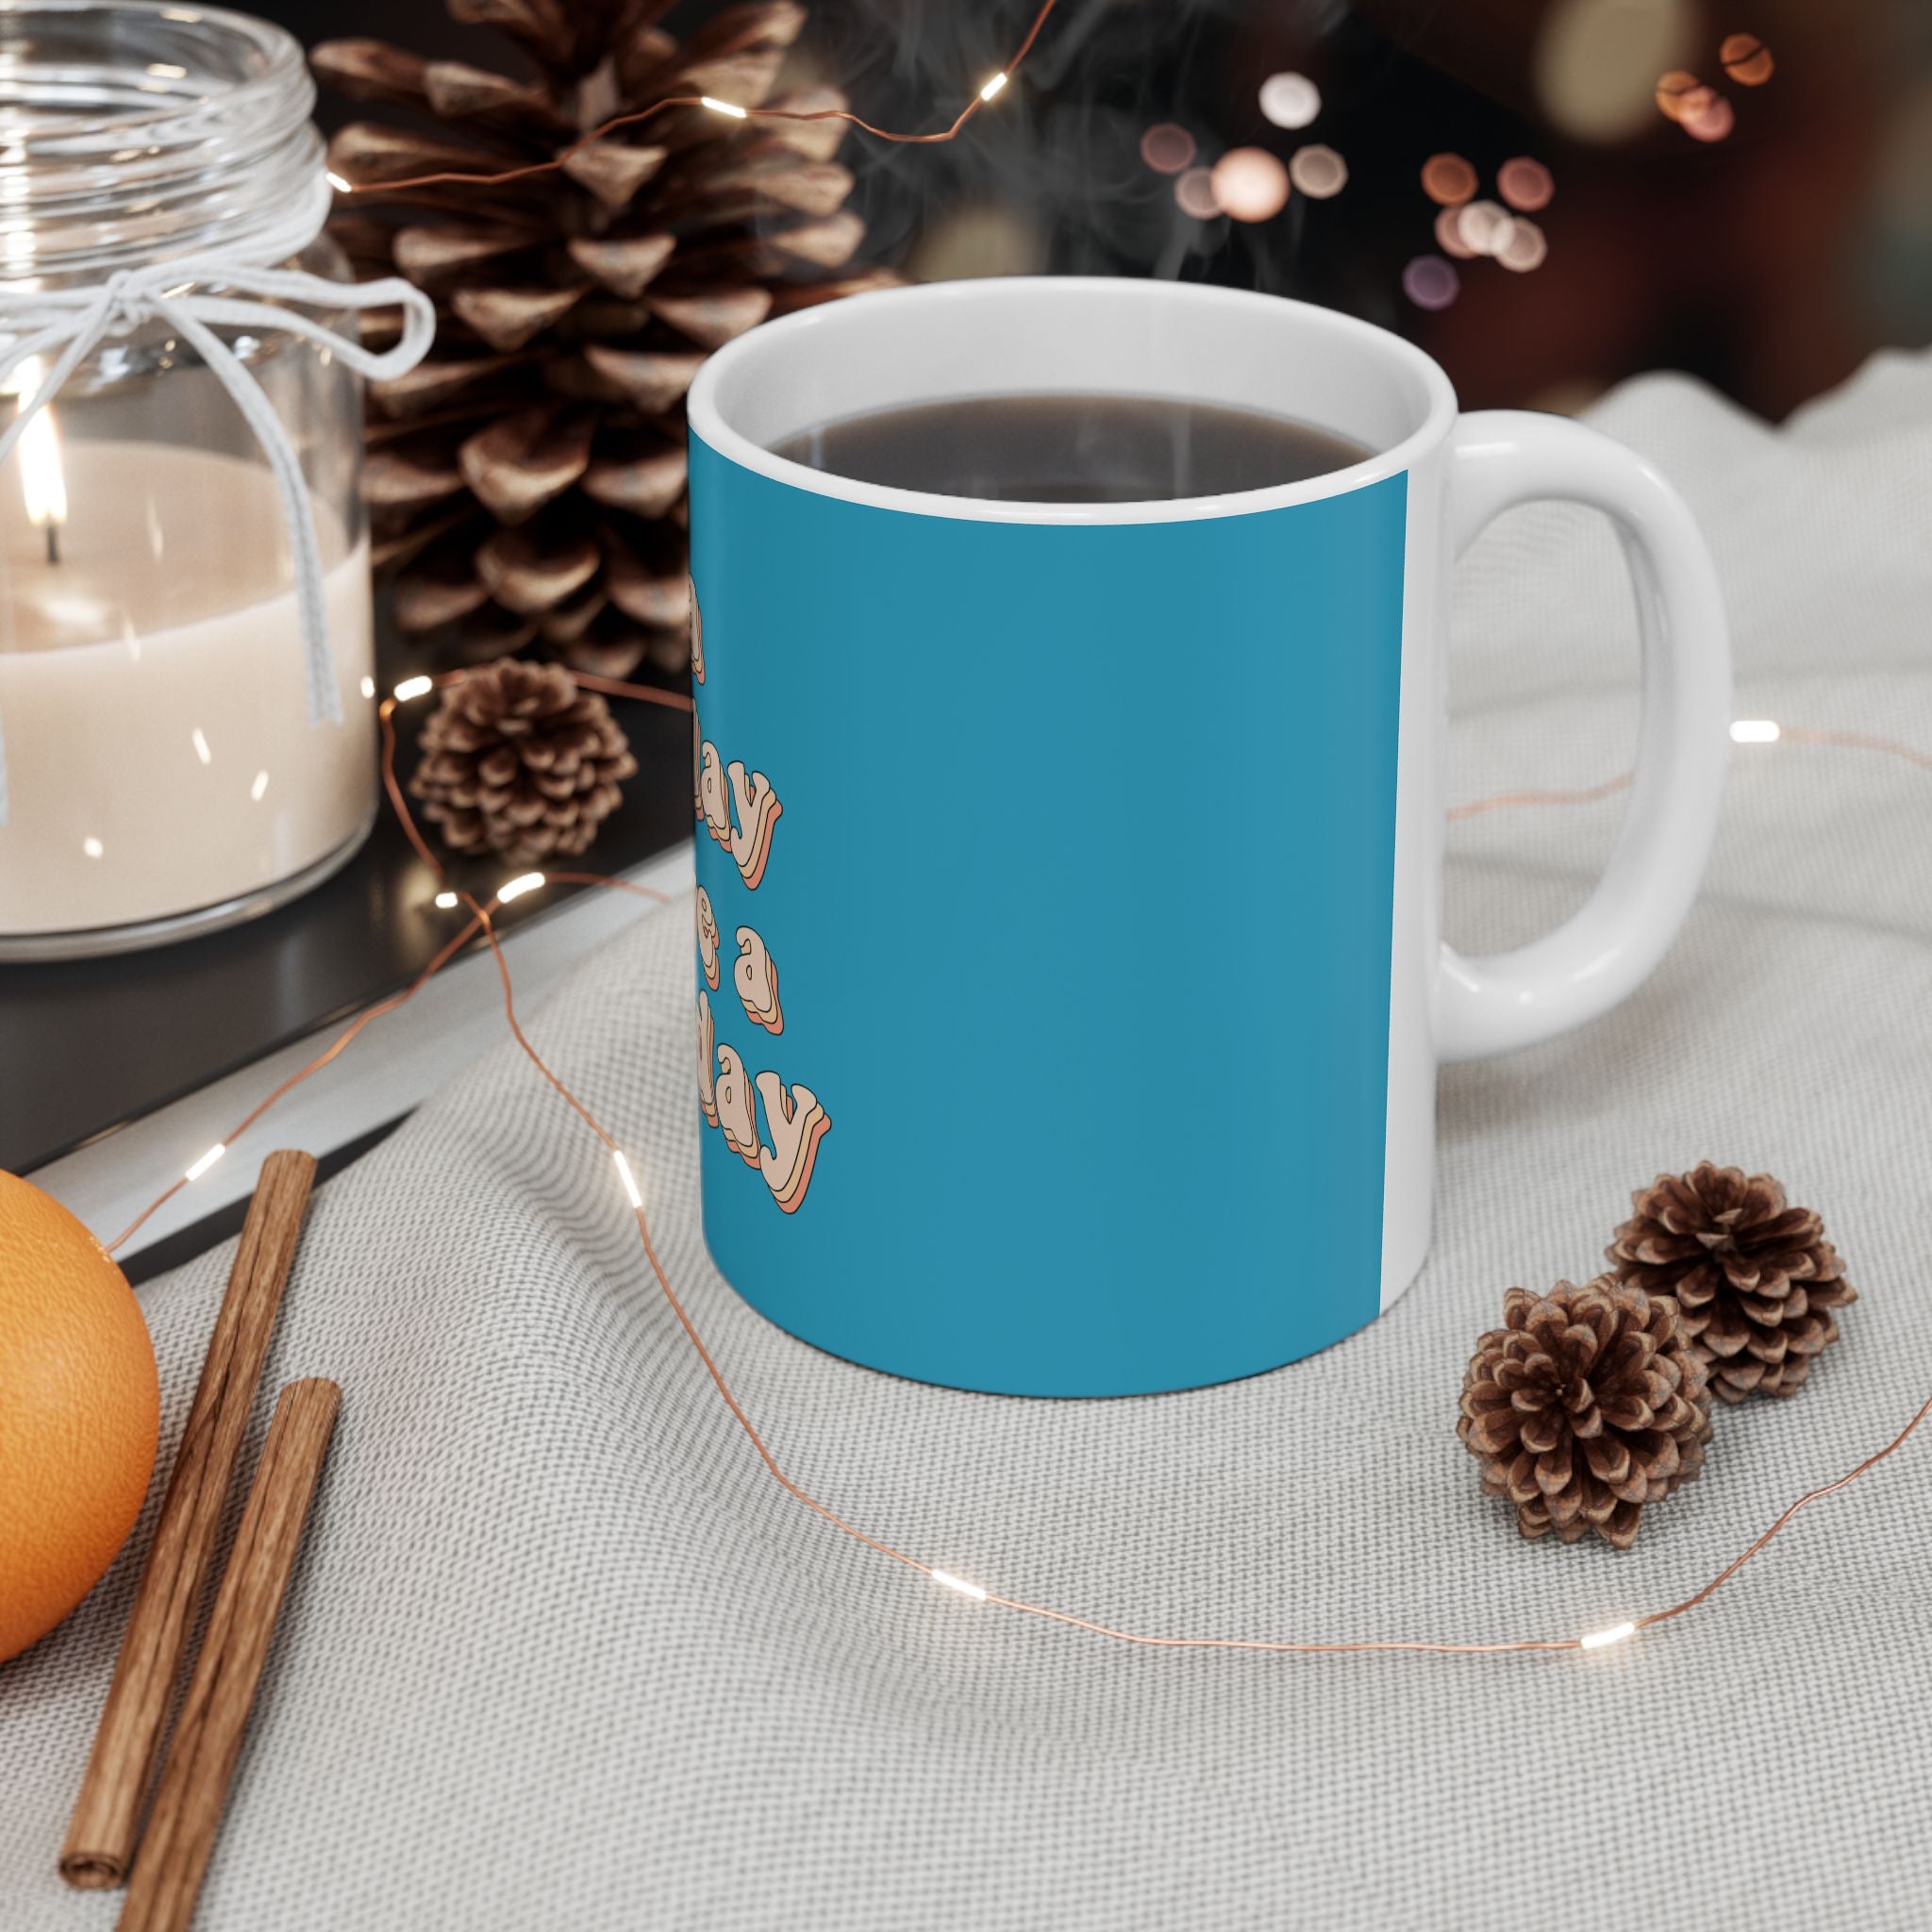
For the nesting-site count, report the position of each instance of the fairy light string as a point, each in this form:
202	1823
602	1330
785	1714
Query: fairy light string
988	91
481	922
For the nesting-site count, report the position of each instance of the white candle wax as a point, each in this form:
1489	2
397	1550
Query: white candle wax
160	758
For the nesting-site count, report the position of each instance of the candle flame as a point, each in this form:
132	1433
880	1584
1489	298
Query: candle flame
41	481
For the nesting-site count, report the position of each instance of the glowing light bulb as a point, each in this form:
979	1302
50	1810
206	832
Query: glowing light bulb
629	1179
1755	731
337	182
368	687
992	87
946	1580
444	901
92	847
718	107
206	1162
414	688
1615	1634
516	887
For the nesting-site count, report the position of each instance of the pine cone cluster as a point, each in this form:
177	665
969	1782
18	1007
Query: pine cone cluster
518	761
1754	1277
1586	1406
527	482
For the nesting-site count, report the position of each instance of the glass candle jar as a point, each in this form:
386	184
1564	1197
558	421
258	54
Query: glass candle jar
169	769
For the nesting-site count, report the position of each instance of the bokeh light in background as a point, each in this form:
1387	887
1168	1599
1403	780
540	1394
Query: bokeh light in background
1524	247
1448	179
1430	282
1485	227
1194	192
1675	90
1317	172
1746	59
1449	234
1711	119
1167	149
1249	184
1768	261
1289	100
1525	185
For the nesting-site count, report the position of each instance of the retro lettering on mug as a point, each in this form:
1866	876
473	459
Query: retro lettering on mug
708	940
707	1059
756	977
737	1106
796	1119
714	802
797	1123
757	809
741	809
727	789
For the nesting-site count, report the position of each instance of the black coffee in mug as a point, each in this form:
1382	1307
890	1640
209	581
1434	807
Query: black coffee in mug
1072	448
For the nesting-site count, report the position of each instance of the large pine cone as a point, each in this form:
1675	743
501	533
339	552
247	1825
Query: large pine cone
1756	1278
520	763
1588	1404
526	483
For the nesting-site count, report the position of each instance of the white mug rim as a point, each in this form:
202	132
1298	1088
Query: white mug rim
706	413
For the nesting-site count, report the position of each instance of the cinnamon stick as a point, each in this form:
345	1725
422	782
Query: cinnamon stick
106	1814
208	1734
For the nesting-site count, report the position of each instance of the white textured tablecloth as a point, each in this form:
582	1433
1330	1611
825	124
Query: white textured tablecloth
560	1654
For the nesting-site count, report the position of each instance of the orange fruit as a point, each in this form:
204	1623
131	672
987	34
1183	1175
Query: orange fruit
80	1408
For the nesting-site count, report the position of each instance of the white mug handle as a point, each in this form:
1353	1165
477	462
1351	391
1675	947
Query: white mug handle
1501	458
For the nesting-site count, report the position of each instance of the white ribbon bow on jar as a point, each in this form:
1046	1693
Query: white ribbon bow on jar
68	324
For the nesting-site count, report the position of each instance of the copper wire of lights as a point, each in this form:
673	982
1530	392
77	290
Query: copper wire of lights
988	91
1746	731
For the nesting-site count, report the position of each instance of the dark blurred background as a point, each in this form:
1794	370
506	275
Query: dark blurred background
1768	257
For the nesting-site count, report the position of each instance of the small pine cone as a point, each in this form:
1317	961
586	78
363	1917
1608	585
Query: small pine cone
1756	1279
520	763
1586	1404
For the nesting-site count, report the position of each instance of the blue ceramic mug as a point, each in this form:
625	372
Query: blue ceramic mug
1071	986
